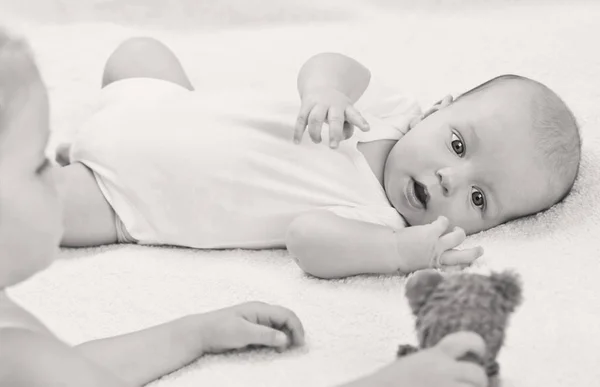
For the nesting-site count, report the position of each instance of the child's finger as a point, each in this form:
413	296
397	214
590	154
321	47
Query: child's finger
301	122
335	117
455	257
457	345
356	119
254	334
440	226
452	239
315	122
281	318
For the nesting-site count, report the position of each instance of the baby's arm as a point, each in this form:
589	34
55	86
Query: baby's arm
31	356
328	246
143	356
334	71
34	359
329	85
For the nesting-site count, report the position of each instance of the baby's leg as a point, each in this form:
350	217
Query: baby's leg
140	57
88	218
144	57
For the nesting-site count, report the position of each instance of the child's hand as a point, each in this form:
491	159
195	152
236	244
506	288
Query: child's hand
431	245
436	367
249	324
331	106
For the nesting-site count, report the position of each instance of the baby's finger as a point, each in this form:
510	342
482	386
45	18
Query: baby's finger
455	257
335	117
458	344
301	122
253	334
355	118
452	239
279	317
440	226
315	122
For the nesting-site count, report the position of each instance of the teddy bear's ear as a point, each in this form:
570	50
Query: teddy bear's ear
508	285
420	286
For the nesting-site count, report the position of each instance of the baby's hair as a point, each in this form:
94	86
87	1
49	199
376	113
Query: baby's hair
556	130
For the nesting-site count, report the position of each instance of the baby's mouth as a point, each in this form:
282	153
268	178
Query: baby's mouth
417	194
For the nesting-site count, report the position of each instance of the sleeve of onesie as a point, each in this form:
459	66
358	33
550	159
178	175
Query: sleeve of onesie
383	105
377	215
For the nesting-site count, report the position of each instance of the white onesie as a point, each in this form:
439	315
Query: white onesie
220	170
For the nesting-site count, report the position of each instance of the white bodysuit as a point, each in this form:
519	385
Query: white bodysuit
220	170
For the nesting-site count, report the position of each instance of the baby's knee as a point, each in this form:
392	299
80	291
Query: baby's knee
142	56
129	52
140	44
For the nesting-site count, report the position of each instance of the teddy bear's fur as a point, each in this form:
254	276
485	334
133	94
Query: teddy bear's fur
463	302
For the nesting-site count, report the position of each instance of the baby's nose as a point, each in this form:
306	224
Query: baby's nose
449	179
433	188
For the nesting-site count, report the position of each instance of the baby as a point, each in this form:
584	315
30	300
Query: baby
161	164
30	355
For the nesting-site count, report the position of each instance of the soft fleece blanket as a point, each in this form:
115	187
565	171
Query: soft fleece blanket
428	48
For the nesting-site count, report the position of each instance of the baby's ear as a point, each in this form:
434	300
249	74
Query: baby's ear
508	285
420	286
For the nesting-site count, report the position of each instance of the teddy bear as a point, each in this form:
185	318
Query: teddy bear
444	304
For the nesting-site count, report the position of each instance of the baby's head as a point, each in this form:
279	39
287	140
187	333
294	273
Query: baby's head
30	213
503	150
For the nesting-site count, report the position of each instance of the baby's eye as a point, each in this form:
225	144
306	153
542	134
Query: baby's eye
457	145
477	198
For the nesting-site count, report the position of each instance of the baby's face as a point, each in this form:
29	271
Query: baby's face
473	162
30	212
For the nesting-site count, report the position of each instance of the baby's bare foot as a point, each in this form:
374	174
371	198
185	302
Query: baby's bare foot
23	95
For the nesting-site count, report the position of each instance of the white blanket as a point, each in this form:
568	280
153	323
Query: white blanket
353	325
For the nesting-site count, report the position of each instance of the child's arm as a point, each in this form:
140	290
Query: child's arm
31	356
143	356
146	355
334	71
328	246
34	359
329	84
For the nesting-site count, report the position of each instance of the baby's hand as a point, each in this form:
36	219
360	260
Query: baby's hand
331	106
249	324
438	366
431	245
